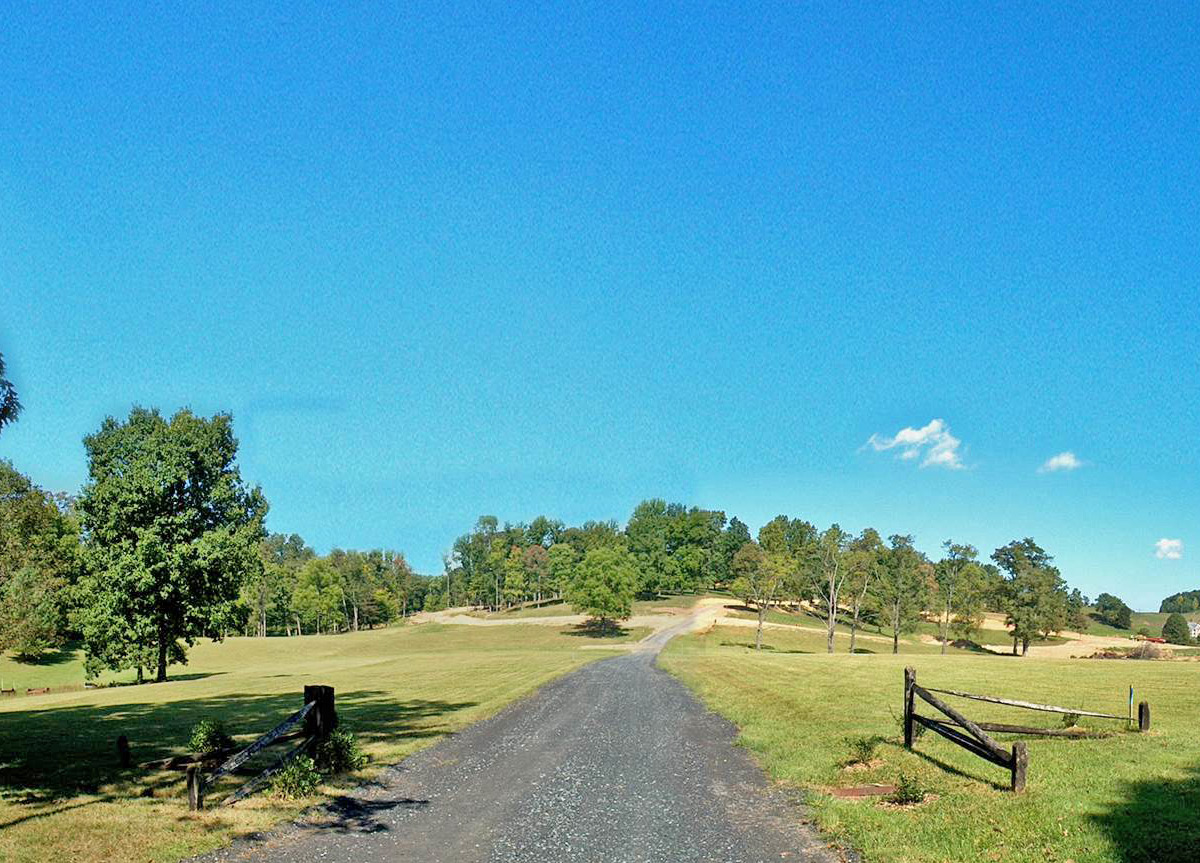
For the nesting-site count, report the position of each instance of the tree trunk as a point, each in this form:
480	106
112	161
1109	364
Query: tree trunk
895	629
945	626
140	677
1014	645
762	613
356	618
831	618
853	627
161	676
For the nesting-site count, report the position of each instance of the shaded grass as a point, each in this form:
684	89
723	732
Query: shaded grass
1132	797
64	797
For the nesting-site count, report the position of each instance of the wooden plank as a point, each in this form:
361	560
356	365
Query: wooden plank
975	731
910	678
1143	716
968	743
266	740
261	779
1028	705
1004	728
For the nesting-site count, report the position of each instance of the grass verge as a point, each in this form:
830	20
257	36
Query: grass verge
1125	799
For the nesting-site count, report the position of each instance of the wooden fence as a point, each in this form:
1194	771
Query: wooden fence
973	736
319	718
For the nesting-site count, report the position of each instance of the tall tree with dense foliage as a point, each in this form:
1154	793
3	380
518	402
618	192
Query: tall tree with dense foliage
1112	611
10	404
171	533
1036	601
1175	629
39	559
604	584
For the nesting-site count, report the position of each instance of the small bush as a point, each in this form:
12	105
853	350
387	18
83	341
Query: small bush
862	749
208	735
297	779
908	791
339	753
1146	650
1070	720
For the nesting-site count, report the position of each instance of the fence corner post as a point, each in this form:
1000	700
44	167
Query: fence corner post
1020	765
195	787
323	717
1144	716
910	679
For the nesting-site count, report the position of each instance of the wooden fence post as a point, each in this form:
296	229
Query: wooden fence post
322	719
195	787
1144	716
910	679
1020	765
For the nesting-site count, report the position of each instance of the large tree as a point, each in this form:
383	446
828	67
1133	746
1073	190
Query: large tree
957	579
604	584
1036	595
1112	611
171	534
10	405
827	570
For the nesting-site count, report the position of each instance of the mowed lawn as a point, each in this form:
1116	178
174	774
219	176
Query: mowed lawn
63	796
1131	797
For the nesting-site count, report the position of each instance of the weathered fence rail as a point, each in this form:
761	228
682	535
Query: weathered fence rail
319	718
973	736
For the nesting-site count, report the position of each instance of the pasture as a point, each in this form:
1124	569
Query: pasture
64	797
1131	797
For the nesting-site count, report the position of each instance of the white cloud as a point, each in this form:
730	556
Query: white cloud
1063	461
1168	549
933	444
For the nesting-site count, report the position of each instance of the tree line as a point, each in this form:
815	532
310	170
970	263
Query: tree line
165	544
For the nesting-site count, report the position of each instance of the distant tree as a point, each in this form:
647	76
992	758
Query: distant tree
735	535
536	563
649	536
172	532
900	589
561	562
1112	611
10	405
956	579
1036	594
1185	602
757	581
604	584
515	587
826	560
1175	630
863	562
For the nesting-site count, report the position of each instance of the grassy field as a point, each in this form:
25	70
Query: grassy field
63	797
1127	798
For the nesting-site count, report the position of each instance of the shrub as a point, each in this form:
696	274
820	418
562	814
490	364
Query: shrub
908	791
1145	650
298	779
339	753
208	736
862	749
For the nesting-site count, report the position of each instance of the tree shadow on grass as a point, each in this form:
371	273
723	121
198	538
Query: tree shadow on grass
598	629
55	754
766	647
1156	820
58	656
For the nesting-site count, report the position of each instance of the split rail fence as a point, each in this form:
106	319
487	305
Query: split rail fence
310	724
973	736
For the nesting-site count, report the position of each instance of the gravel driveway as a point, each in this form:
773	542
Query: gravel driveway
616	762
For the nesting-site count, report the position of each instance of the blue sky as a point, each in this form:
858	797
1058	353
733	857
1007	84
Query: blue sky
443	262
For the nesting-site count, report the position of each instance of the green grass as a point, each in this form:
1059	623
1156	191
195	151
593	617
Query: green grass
64	798
1123	799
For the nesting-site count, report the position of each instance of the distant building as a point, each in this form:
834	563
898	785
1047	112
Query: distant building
1193	629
